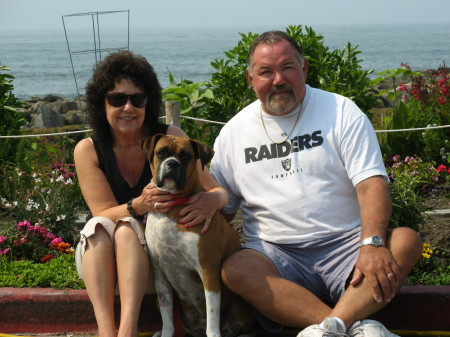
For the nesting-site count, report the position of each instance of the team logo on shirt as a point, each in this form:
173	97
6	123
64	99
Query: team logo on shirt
274	151
286	164
283	151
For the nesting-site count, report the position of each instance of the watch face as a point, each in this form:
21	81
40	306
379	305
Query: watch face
377	241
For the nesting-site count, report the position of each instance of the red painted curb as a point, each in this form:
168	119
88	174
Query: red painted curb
418	308
44	310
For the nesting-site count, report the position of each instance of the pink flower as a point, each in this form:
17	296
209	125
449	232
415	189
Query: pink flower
4	251
406	66
2	238
23	225
403	87
56	241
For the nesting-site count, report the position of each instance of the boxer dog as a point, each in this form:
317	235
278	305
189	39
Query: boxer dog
185	263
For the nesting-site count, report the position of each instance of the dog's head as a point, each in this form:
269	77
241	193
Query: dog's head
173	161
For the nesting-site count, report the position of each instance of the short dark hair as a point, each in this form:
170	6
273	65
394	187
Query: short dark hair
114	68
271	37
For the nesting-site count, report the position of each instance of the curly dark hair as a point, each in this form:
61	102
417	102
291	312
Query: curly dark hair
114	68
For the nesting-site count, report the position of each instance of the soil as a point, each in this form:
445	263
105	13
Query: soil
436	230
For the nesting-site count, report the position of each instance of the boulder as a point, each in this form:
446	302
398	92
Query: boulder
51	98
43	116
75	117
62	106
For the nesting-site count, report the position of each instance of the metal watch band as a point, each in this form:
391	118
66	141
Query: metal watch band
375	240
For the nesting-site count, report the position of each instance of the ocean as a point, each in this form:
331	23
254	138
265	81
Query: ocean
41	63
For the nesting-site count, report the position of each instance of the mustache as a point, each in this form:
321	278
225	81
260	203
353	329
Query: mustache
280	88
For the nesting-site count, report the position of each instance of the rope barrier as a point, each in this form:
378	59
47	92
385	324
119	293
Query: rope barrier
208	121
416	129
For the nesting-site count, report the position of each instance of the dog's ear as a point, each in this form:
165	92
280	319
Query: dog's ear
203	152
148	145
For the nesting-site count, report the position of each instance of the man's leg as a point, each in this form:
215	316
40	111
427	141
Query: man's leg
254	277
357	302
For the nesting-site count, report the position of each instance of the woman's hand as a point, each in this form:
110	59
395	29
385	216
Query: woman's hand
154	200
200	208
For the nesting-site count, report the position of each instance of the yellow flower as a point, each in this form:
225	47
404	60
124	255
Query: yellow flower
426	250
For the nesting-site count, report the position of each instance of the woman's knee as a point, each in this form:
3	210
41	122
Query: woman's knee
124	233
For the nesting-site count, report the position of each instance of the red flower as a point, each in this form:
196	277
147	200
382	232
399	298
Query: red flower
47	258
441	168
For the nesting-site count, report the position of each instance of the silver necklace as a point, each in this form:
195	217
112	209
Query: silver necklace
290	133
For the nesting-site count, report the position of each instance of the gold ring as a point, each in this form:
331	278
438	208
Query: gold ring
389	274
155	205
208	219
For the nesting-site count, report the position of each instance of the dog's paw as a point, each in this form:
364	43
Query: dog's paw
157	334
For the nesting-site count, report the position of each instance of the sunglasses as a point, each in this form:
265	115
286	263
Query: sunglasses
118	99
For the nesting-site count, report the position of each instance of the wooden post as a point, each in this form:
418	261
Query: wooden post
173	113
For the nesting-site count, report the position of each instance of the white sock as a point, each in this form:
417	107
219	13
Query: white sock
339	321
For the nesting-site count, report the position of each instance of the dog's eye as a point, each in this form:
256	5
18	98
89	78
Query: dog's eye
162	153
185	156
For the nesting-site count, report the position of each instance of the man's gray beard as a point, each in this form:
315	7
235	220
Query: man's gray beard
281	105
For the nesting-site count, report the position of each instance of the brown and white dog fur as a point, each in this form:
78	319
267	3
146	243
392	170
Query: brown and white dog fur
182	259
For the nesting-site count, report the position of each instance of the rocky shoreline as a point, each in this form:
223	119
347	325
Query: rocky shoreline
53	111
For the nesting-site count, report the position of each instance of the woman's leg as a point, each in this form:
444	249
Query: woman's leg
99	273
133	271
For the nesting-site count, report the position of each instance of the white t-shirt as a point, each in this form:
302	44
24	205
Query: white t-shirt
304	188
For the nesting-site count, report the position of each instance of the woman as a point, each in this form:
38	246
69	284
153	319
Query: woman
123	99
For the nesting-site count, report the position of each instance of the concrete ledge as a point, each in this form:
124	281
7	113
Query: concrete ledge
44	310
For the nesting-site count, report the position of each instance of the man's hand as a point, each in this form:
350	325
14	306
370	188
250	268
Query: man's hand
378	267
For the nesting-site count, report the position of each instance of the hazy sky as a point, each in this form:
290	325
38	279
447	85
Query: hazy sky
46	14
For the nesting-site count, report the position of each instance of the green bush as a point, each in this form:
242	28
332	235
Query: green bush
423	102
409	177
51	199
59	273
432	269
11	119
193	98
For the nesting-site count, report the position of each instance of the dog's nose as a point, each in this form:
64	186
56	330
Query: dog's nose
172	163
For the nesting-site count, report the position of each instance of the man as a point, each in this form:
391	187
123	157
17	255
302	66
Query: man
305	167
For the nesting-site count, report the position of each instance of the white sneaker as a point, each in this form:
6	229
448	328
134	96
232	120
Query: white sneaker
331	328
369	328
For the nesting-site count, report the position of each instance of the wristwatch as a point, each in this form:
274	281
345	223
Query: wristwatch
130	209
376	241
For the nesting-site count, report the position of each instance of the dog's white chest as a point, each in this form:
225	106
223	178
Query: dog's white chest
167	243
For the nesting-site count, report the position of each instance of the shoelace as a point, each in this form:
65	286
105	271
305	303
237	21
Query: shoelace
359	332
327	333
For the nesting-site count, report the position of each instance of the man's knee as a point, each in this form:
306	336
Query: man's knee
230	270
406	242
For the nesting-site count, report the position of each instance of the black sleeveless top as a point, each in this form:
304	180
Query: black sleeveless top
108	164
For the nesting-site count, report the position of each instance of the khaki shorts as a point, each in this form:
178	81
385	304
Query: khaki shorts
110	227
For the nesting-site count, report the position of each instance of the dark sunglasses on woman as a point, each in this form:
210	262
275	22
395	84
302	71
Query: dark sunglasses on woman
118	99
